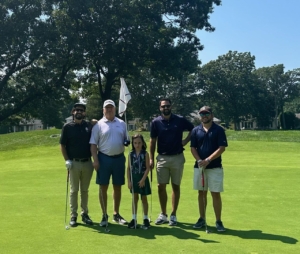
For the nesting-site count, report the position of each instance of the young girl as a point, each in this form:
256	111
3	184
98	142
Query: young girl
137	176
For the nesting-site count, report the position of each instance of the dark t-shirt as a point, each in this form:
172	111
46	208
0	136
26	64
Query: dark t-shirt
76	138
169	133
207	143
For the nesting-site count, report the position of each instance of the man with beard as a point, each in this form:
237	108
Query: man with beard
167	130
208	142
75	148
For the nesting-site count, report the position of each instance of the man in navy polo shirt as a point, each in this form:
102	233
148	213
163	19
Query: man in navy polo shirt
167	131
208	142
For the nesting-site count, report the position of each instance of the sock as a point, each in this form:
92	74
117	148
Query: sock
145	216
134	216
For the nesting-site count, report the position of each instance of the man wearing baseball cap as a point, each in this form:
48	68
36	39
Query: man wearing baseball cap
75	149
107	148
208	142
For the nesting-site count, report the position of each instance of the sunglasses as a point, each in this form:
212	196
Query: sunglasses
79	110
204	114
165	106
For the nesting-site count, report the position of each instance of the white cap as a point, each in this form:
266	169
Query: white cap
108	102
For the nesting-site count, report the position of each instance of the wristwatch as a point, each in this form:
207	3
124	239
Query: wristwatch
199	161
208	160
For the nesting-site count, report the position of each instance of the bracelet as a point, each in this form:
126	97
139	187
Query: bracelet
198	161
208	160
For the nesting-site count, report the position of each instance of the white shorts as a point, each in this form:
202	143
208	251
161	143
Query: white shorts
213	179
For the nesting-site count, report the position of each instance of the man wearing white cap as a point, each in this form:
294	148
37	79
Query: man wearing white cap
107	148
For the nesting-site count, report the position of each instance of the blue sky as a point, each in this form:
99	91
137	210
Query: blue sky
268	29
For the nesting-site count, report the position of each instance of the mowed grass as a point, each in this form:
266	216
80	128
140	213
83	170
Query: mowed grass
260	202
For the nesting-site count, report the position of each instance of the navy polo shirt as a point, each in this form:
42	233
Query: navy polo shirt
76	138
169	133
207	143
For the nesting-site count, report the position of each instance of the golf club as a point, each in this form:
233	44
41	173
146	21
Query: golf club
151	197
204	203
132	192
66	226
107	230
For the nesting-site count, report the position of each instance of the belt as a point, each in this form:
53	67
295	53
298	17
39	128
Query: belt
164	154
82	159
113	156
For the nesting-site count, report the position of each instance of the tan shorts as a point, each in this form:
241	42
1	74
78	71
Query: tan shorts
170	166
213	178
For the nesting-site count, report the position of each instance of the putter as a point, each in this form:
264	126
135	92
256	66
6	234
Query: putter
151	197
204	203
107	230
132	192
66	226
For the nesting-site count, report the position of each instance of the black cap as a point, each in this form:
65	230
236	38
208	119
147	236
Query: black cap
205	109
79	104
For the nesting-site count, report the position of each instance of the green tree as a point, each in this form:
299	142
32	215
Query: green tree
287	120
227	84
35	58
121	37
281	86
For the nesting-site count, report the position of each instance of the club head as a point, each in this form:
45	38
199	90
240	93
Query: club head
67	227
207	231
144	227
107	230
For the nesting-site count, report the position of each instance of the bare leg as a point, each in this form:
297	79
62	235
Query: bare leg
163	197
175	198
145	204
136	199
117	197
201	205
103	198
217	204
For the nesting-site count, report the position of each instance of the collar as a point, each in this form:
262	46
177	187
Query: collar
163	119
211	127
106	120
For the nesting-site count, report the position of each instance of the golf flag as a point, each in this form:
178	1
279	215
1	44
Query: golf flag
124	97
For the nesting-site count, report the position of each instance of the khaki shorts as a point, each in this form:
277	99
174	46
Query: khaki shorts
213	179
170	166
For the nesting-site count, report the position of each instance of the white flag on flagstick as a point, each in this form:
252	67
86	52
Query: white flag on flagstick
124	97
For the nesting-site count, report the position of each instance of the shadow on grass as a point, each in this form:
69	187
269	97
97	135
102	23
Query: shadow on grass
180	231
259	235
247	234
151	233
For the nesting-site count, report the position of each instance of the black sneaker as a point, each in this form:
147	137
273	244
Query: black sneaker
200	223
132	224
86	219
73	221
219	226
146	223
104	221
119	219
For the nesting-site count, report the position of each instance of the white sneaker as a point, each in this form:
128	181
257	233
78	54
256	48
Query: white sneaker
161	219
173	220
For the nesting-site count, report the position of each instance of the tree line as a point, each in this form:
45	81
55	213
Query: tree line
57	52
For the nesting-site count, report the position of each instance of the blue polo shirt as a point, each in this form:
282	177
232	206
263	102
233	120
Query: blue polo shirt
169	133
207	143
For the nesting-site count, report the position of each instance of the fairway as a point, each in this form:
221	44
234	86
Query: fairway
260	205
